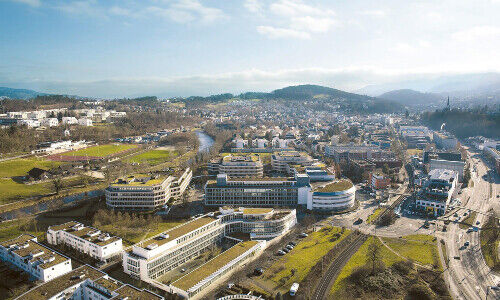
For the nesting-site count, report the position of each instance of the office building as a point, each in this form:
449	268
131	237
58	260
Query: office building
40	262
379	181
334	196
237	166
437	192
281	161
445	140
456	166
88	240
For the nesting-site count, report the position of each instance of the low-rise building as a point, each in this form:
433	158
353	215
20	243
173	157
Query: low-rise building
85	122
237	166
40	262
378	181
69	120
334	196
91	241
494	156
456	166
445	140
281	161
437	192
87	283
180	182
49	122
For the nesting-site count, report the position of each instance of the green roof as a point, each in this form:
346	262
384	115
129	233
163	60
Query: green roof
213	265
336	186
256	211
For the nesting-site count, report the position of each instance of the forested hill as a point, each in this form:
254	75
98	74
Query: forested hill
465	123
411	97
19	93
312	93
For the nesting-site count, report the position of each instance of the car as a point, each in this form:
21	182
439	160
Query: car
455	215
303	234
289	247
358	221
285	250
293	243
470	230
477	223
280	252
258	271
466	244
465	214
230	285
456	257
294	288
183	270
495	288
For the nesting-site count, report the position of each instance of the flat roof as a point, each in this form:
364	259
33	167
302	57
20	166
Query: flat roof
178	231
51	288
132	293
336	186
256	211
138	180
83	233
27	247
197	275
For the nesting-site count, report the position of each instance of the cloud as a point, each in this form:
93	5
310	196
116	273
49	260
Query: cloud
374	13
276	32
85	7
491	33
296	20
33	3
185	11
120	11
253	5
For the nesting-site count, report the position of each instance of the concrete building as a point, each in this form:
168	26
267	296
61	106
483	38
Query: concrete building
91	241
49	122
40	262
85	122
456	166
180	182
351	152
152	259
445	140
334	196
29	123
87	283
258	192
281	161
237	166
437	192
69	120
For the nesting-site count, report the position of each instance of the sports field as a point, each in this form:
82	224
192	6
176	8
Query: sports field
153	157
101	150
19	167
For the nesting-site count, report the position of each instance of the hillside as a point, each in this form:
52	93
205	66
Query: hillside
411	97
19	93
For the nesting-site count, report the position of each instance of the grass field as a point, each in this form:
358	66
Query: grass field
469	221
489	244
19	167
359	259
11	190
153	157
374	215
13	229
303	257
420	248
101	150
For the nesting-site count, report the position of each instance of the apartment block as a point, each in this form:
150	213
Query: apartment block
281	161
180	182
237	166
437	192
40	262
91	241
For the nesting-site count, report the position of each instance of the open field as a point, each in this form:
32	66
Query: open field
420	248
153	157
302	258
101	150
490	239
359	259
19	167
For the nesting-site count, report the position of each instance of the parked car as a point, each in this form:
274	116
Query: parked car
280	252
477	223
358	221
289	247
258	271
293	243
466	244
303	234
285	250
294	288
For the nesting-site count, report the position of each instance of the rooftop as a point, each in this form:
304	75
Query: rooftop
138	180
336	186
241	158
213	265
90	234
256	211
178	231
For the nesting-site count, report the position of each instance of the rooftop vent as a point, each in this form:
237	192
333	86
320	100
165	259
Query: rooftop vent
152	246
164	236
78	276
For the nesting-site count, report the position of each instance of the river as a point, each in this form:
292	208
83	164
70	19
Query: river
205	140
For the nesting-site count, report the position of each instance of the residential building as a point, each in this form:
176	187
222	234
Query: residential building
351	152
85	122
29	123
437	192
49	122
180	182
87	283
379	181
40	262
91	241
69	120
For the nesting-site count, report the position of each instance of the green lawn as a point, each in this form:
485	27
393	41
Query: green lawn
13	229
490	243
359	259
374	215
19	167
11	190
420	248
101	150
303	257
153	157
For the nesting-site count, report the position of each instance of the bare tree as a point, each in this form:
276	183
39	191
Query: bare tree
57	184
373	256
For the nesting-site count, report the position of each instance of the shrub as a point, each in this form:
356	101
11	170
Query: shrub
420	291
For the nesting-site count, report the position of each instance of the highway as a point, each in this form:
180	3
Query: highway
469	277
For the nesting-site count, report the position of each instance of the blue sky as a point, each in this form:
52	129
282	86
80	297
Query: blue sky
195	47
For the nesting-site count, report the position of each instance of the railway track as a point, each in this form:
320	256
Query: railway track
336	266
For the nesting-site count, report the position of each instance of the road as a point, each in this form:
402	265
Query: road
469	277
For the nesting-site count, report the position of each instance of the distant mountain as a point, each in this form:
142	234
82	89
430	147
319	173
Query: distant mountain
411	98
309	91
19	93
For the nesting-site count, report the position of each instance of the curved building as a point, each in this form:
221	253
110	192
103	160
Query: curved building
335	196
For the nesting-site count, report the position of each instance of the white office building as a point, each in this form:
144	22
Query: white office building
40	262
437	192
91	241
456	166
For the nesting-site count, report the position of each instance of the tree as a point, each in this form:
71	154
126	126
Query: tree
373	256
57	184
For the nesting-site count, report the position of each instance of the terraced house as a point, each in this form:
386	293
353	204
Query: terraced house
91	241
40	262
151	259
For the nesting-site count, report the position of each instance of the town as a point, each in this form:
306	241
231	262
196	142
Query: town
225	203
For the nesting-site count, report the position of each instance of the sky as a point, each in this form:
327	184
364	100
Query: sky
127	48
